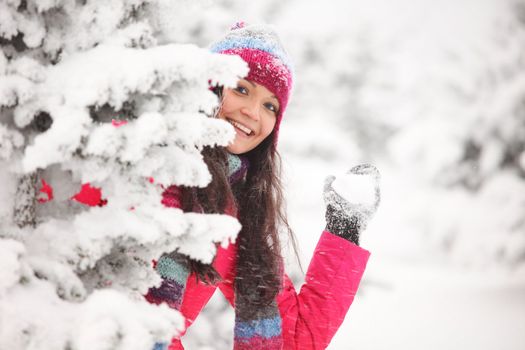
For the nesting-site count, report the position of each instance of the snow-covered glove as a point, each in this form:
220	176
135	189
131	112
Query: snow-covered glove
348	217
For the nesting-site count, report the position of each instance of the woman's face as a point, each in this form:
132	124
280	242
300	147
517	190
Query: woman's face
252	110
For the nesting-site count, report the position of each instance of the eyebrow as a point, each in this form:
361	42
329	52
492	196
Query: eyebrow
253	84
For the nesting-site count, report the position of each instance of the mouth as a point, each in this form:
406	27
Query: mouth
242	128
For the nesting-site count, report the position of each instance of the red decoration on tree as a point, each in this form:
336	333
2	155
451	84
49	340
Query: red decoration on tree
90	196
47	191
116	123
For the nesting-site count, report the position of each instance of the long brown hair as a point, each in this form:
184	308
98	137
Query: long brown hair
261	212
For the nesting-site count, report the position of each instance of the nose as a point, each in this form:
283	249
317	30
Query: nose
252	110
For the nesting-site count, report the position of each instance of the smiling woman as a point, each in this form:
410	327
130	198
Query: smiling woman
246	183
252	110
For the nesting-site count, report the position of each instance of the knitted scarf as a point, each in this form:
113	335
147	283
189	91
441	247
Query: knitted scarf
253	330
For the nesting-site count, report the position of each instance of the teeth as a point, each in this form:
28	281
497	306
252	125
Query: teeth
240	126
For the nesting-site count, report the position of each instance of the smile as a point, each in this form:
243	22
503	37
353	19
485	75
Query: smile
241	127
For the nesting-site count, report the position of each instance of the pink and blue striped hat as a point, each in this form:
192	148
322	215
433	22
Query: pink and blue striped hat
269	64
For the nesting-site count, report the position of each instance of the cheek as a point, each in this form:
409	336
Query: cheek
268	127
224	109
227	104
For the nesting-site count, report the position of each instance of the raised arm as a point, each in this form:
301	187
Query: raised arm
312	317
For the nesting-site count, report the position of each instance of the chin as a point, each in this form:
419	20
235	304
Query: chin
236	149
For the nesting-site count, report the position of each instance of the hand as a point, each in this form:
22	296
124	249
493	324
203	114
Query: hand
348	217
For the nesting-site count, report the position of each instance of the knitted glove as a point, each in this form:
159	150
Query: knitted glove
348	217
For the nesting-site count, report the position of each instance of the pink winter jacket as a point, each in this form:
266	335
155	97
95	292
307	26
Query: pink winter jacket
311	317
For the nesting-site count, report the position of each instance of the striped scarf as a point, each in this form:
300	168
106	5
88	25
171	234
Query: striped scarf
262	328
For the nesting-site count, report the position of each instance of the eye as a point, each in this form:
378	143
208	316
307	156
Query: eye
241	89
271	107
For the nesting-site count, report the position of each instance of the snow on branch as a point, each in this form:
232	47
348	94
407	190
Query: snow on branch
90	102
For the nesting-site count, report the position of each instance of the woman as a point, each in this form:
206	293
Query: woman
269	314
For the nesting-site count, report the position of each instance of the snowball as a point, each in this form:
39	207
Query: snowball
355	188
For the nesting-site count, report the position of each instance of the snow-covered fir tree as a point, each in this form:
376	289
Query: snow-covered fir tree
98	114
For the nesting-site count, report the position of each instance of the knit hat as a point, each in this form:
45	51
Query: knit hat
270	66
